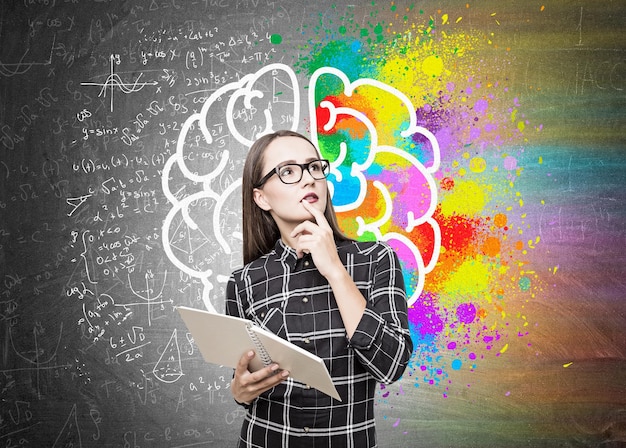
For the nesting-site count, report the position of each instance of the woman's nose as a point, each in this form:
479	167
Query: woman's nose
306	172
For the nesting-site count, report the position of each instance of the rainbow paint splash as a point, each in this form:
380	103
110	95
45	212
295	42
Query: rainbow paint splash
426	145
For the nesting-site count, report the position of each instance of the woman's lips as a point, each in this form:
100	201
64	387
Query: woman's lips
311	197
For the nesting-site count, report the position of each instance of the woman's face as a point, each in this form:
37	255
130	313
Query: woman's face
284	201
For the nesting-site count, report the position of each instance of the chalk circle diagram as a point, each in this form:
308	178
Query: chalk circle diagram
201	229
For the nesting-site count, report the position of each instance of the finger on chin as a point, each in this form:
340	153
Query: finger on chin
309	207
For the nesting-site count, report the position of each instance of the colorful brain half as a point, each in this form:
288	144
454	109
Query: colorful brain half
382	166
427	145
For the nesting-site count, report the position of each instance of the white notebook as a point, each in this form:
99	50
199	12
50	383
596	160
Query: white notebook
224	339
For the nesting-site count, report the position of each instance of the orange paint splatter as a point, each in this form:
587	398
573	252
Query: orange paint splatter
491	246
500	220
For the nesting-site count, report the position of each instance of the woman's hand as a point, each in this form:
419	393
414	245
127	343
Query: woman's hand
246	386
317	239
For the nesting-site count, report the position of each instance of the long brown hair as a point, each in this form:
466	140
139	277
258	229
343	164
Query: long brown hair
260	231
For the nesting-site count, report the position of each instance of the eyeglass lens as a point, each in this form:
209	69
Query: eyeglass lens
292	173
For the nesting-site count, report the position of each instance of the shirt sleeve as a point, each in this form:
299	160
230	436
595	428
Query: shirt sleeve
233	308
382	340
232	303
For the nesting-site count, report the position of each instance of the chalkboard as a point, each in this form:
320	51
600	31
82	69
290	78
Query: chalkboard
123	131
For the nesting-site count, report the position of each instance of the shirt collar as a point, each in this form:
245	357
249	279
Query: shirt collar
288	255
284	252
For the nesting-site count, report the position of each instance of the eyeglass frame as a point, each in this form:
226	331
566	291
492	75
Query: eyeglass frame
302	166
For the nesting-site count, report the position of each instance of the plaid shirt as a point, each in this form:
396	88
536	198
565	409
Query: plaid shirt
289	297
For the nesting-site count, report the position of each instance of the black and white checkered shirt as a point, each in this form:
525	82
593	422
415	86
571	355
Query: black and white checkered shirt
289	297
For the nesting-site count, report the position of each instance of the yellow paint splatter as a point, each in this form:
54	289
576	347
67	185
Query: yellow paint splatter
467	198
470	279
432	66
477	165
565	366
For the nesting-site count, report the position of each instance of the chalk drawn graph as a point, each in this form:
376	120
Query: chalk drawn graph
114	81
38	358
9	69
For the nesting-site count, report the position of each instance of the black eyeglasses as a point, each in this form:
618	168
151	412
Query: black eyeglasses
291	173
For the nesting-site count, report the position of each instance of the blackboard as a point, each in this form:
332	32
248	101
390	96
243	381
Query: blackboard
123	130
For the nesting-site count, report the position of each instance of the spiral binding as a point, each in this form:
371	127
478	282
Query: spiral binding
261	351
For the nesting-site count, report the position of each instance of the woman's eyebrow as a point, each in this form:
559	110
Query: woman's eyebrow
292	161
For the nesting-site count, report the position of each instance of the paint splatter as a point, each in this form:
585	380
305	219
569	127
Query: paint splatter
276	39
470	278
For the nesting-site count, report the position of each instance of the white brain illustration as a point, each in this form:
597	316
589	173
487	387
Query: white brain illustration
202	228
202	182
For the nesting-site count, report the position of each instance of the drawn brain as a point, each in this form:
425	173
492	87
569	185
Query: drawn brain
202	179
382	167
381	179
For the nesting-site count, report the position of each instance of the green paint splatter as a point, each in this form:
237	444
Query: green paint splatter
524	283
276	39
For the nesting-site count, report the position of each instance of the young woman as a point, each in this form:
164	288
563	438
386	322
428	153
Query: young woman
305	281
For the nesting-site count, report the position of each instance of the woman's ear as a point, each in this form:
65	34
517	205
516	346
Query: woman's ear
259	199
